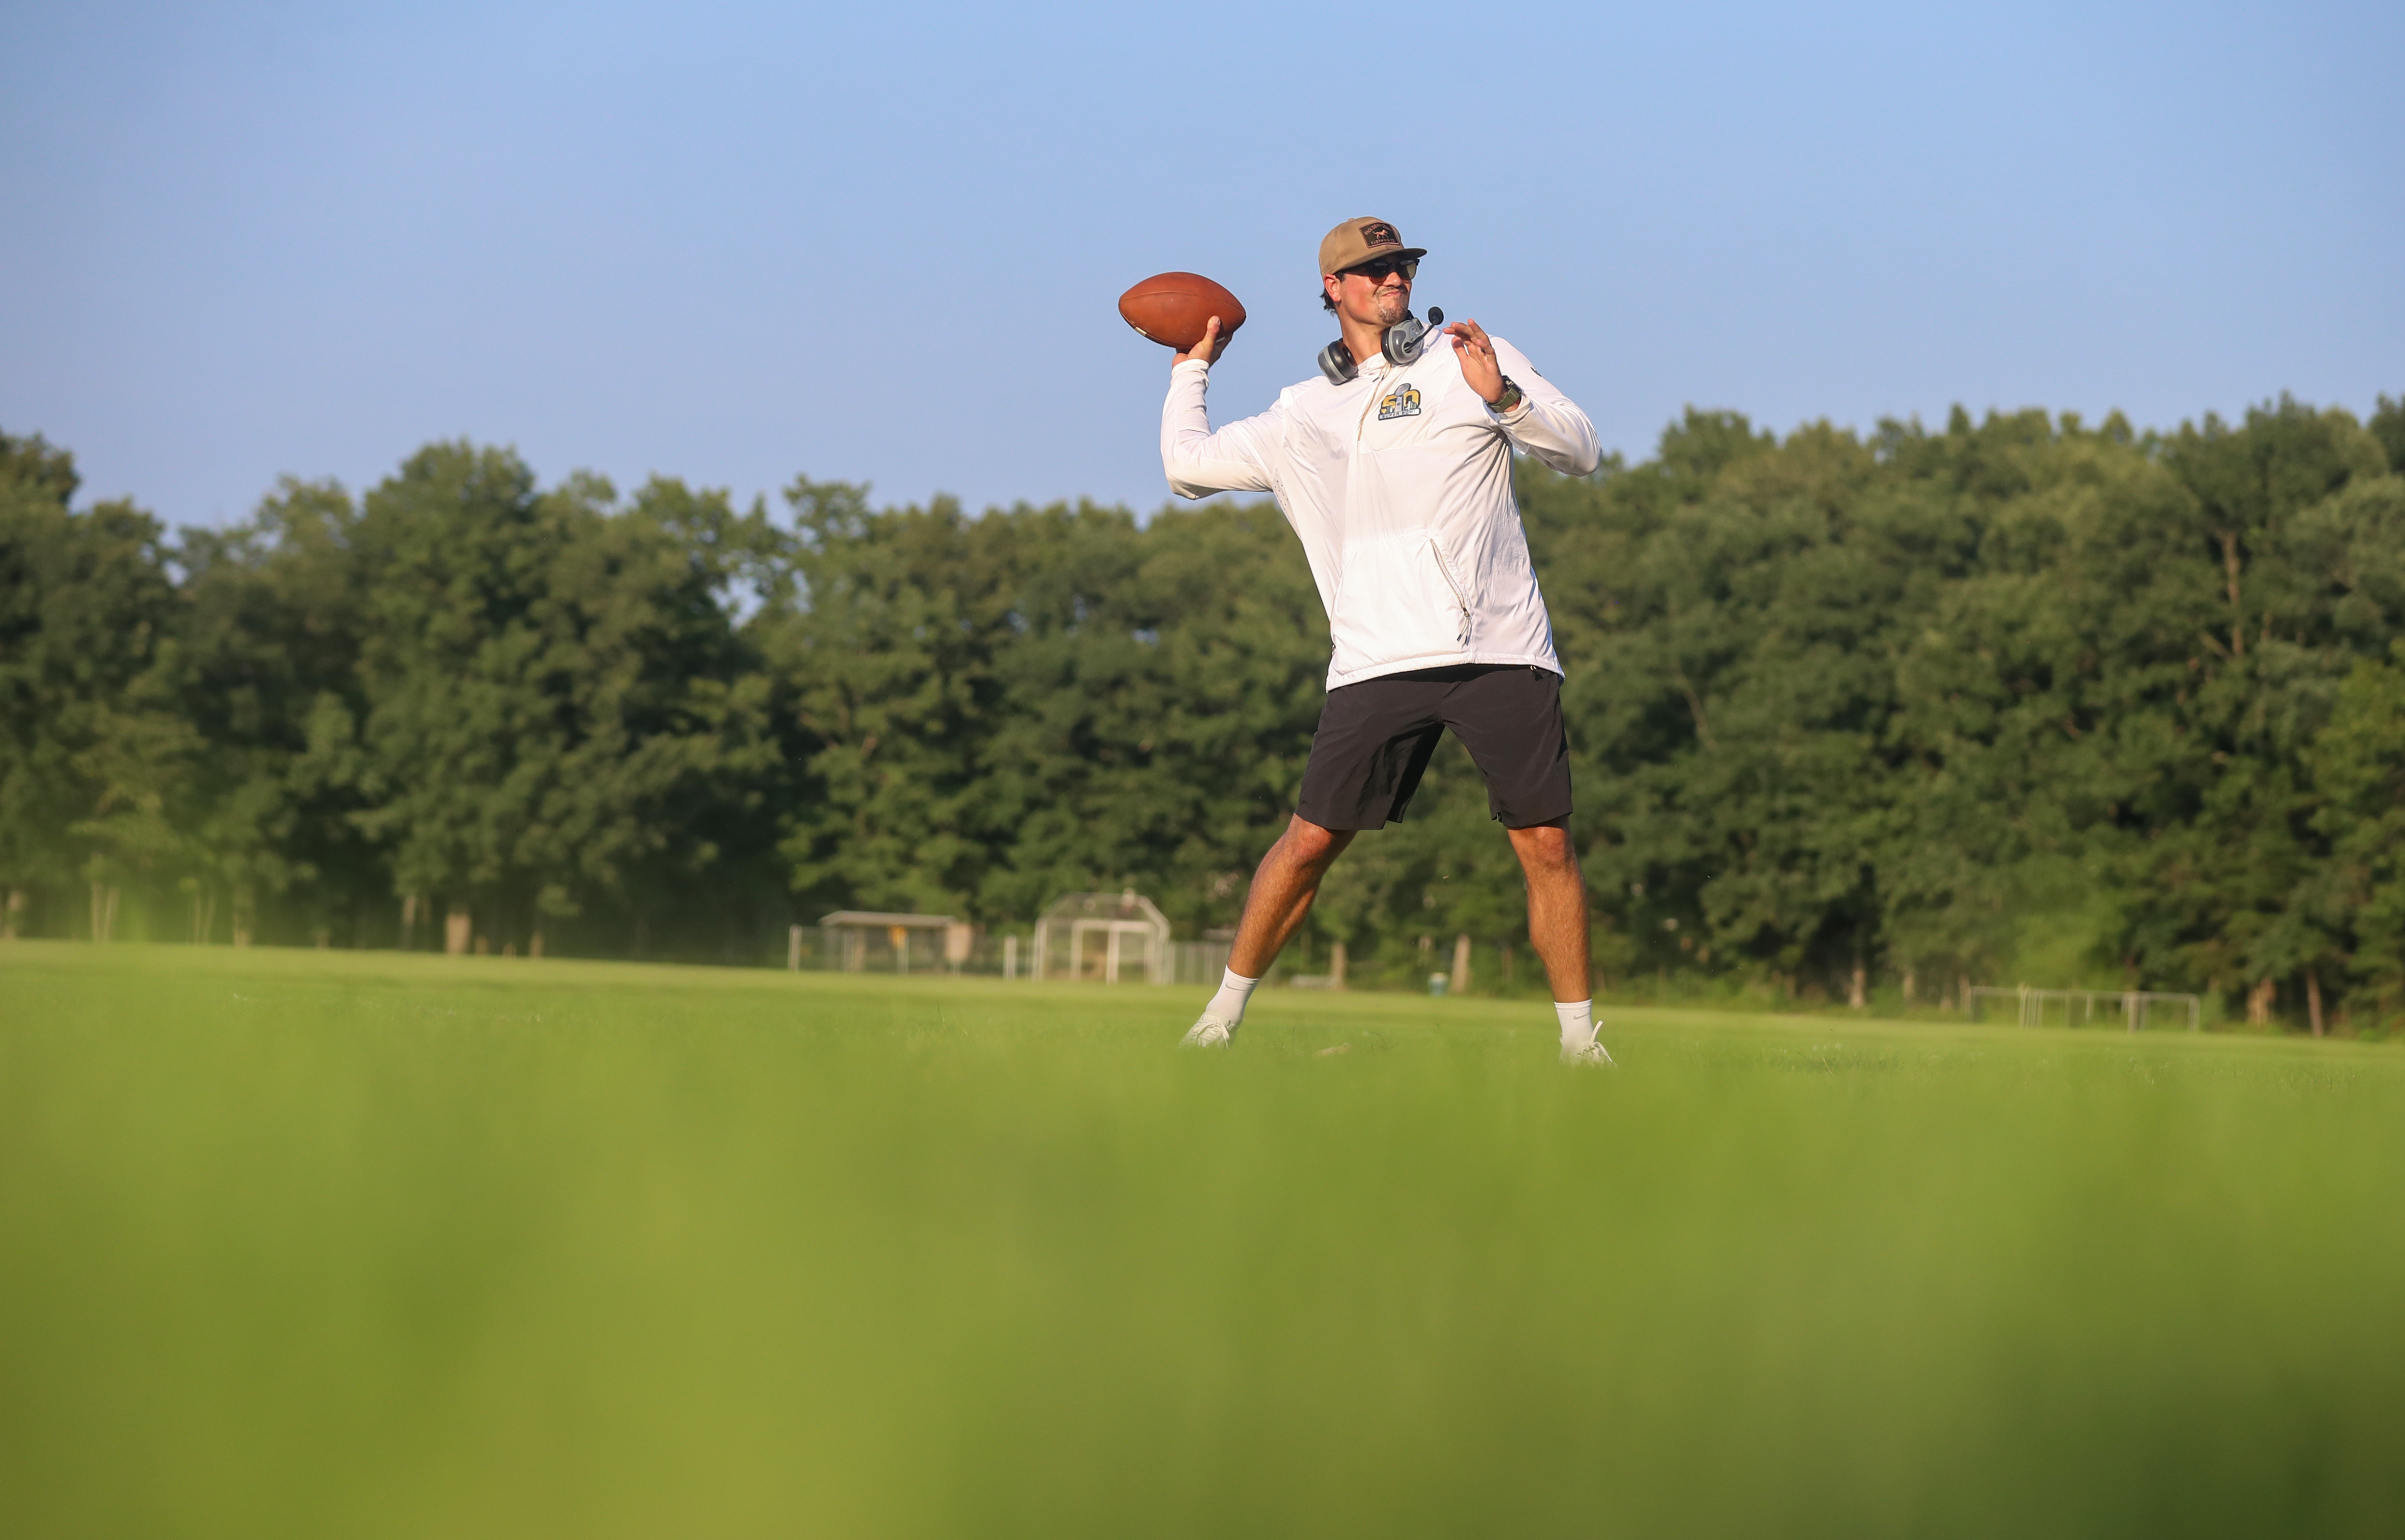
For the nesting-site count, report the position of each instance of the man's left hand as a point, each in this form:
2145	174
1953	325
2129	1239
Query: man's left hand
1476	351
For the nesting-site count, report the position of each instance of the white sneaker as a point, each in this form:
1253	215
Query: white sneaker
1209	1031
1590	1052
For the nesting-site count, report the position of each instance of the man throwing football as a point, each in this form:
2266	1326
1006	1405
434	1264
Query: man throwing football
1395	468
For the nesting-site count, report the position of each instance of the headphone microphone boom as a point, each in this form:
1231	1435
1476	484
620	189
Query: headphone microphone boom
1401	344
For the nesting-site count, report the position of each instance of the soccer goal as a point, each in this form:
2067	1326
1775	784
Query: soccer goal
2134	1006
1102	937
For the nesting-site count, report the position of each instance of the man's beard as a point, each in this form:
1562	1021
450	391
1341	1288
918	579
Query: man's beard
1391	305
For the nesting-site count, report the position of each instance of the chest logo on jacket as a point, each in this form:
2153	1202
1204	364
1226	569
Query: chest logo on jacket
1404	403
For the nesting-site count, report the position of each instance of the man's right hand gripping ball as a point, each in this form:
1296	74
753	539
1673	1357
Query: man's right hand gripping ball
1208	349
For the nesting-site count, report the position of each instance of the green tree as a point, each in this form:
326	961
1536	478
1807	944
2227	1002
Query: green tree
91	749
551	687
881	634
269	640
1160	706
2233	872
2358	763
1724	615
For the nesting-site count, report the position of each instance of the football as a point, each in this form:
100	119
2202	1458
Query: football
1172	308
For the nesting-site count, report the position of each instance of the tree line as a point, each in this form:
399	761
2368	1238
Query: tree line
1852	716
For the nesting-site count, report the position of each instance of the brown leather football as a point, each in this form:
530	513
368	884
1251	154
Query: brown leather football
1172	308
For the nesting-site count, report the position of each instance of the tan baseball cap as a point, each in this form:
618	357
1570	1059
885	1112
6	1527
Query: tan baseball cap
1358	241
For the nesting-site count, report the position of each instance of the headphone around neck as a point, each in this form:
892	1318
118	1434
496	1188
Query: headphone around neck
1402	343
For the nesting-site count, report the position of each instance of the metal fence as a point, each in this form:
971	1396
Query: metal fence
993	955
1196	961
2135	1007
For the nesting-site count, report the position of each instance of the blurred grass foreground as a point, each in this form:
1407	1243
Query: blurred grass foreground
367	1244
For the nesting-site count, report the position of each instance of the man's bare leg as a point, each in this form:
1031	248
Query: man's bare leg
1283	885
1557	924
1557	928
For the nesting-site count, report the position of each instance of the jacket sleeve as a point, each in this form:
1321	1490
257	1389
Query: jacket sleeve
1547	424
1200	462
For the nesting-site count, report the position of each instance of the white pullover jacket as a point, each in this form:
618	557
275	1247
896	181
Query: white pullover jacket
1400	483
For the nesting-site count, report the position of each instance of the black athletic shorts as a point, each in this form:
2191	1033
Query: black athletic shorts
1376	737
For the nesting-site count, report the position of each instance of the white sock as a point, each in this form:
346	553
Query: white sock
1229	1003
1578	1022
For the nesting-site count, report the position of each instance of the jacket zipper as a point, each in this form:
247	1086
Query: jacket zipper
1436	554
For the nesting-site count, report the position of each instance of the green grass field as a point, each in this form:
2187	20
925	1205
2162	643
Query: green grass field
325	1244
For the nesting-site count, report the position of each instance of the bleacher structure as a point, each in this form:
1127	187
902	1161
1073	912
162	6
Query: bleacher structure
846	938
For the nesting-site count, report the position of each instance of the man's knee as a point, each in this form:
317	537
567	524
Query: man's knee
1308	845
1545	848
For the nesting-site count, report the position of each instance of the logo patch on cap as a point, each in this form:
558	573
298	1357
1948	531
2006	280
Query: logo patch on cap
1377	232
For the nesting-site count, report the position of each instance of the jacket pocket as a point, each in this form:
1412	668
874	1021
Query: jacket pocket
1398	600
1453	585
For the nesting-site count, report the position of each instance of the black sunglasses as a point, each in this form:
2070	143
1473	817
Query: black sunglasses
1376	271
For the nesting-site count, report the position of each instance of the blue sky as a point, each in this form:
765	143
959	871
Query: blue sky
881	242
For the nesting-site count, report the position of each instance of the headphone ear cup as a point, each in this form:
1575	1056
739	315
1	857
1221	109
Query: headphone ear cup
1336	362
1402	343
